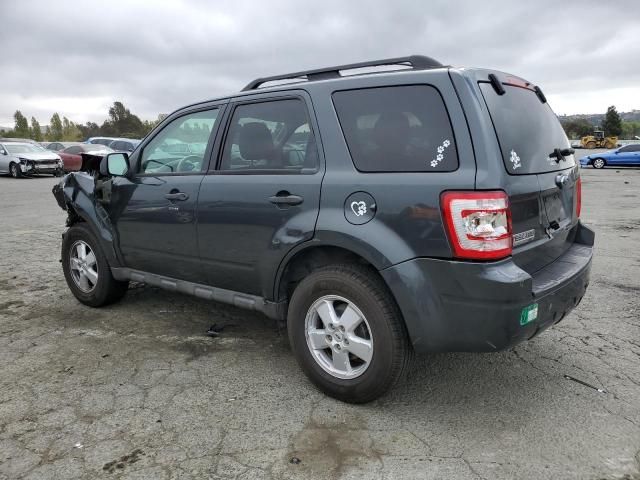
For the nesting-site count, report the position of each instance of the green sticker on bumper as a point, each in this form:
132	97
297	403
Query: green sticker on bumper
529	314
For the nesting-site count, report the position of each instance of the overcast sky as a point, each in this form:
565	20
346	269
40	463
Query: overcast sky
77	57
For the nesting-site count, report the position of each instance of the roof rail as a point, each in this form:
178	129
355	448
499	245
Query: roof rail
416	62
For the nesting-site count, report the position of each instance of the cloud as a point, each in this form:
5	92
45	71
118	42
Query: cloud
76	57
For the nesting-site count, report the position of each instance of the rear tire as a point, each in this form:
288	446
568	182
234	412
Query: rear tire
599	163
591	145
14	170
86	269
365	319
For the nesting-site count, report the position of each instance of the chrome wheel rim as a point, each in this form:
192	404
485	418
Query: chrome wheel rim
598	163
339	337
83	266
14	170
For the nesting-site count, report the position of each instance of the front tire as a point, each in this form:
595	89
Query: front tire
591	145
599	163
86	269
347	333
14	170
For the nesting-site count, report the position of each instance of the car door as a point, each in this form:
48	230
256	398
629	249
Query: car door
628	155
154	208
4	160
635	154
263	198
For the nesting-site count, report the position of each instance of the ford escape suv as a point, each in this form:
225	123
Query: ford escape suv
379	213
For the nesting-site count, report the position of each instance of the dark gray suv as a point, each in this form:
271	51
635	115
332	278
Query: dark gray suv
378	213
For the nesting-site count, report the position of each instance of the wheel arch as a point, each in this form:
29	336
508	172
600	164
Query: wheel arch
76	197
313	254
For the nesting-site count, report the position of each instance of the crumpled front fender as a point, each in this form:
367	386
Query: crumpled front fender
76	194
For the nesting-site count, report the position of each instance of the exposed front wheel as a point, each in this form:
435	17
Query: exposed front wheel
86	269
14	170
347	333
599	163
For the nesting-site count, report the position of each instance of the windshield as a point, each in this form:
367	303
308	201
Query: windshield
15	148
528	131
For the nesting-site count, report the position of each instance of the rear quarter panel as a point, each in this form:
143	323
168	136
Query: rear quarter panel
407	223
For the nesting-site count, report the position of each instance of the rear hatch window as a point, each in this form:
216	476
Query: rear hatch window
528	131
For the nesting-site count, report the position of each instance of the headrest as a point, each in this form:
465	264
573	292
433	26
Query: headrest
255	141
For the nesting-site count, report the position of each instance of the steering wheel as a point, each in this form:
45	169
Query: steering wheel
192	160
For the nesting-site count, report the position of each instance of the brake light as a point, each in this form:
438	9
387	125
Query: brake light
578	197
478	224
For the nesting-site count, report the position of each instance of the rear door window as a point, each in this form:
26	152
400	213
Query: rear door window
528	131
397	129
270	137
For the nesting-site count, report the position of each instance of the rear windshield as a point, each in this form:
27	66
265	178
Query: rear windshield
528	131
397	129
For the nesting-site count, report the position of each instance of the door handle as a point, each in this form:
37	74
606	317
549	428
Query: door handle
285	198
176	196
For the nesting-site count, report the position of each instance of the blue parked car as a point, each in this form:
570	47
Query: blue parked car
628	155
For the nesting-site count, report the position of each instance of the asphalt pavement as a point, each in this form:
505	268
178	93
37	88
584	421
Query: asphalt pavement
137	390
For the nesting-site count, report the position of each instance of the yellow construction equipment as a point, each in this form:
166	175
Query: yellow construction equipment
598	140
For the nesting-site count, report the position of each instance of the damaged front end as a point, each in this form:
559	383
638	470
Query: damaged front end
85	196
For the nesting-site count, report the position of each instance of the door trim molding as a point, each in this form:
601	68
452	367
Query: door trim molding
274	310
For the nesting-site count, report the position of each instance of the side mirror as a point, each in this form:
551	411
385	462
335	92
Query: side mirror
114	164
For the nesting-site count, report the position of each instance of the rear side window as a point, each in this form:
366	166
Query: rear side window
397	129
528	131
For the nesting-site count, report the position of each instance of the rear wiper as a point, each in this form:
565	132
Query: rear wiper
560	153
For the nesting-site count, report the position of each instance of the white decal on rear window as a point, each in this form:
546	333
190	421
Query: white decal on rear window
515	159
440	156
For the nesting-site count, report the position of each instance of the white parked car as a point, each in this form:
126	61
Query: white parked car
18	159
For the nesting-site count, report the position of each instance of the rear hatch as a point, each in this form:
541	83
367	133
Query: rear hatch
543	177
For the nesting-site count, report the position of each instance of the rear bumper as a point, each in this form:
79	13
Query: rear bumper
463	306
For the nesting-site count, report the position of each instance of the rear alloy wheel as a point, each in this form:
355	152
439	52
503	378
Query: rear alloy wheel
339	337
347	332
14	170
599	163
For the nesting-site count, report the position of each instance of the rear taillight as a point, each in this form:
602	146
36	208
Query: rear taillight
578	197
478	224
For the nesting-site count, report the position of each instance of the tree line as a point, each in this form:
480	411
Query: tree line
612	125
120	123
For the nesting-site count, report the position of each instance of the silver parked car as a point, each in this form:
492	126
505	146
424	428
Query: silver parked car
18	159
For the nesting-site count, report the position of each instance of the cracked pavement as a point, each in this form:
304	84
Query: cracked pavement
136	390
